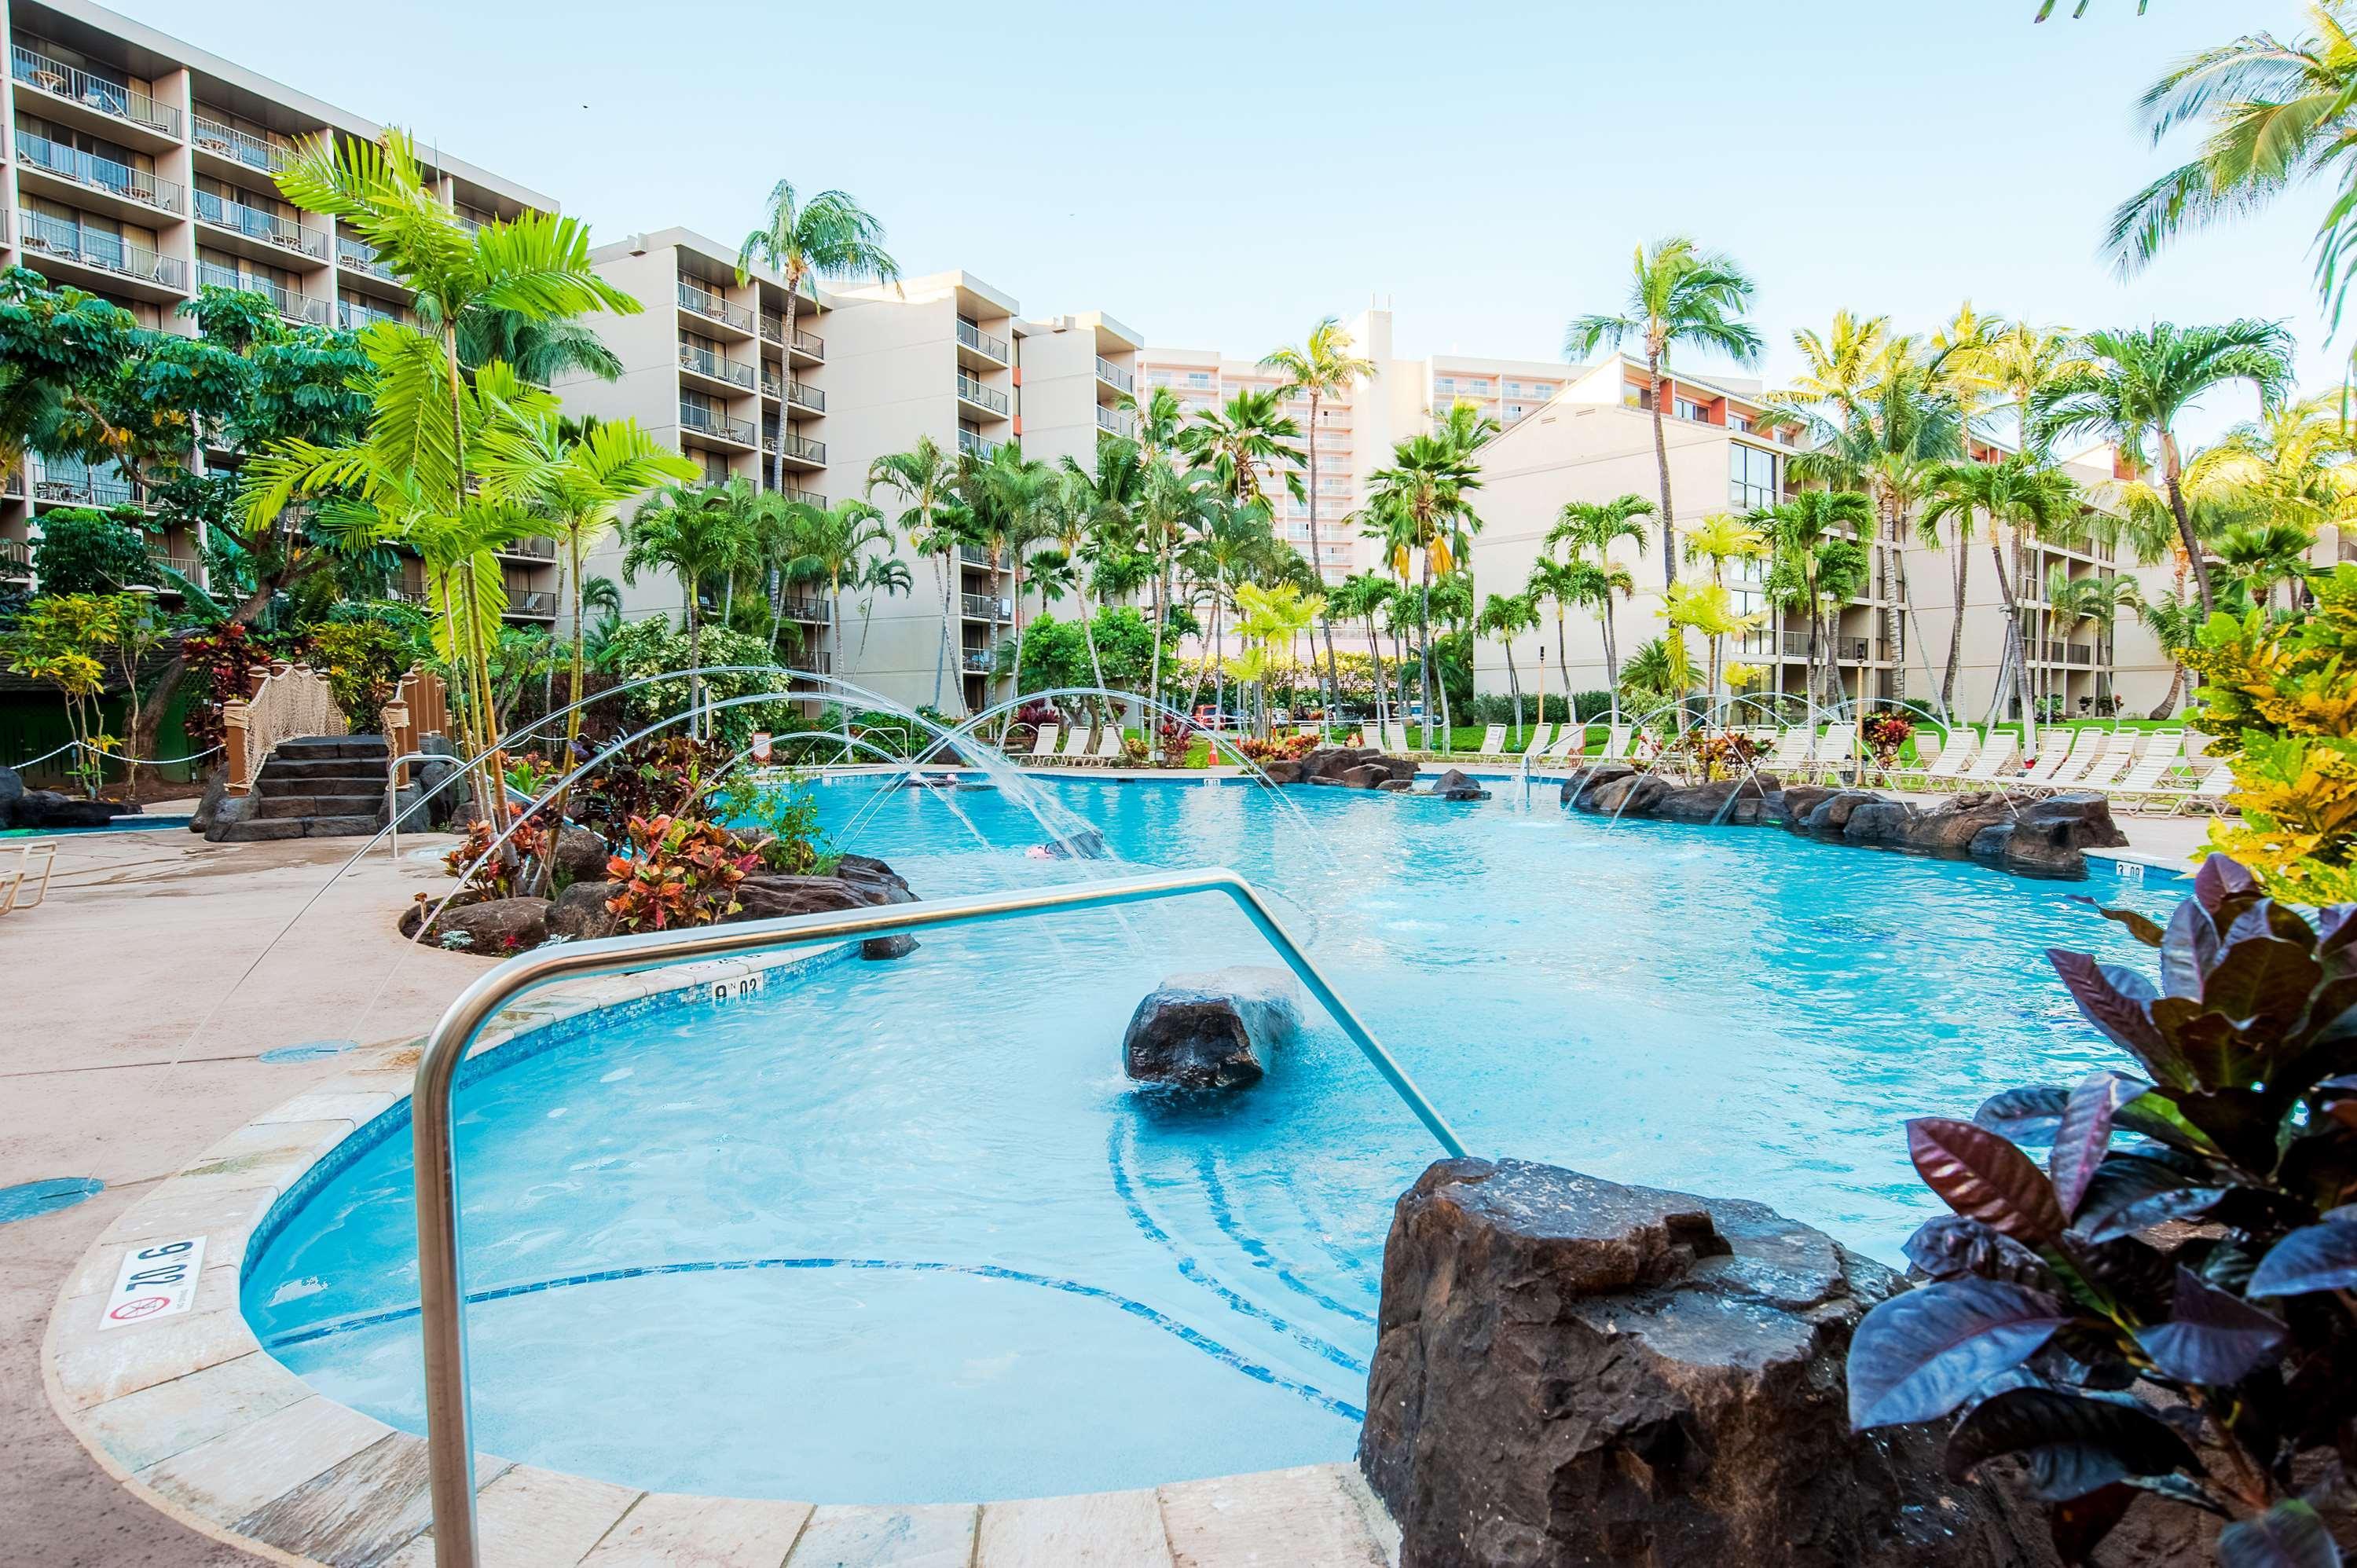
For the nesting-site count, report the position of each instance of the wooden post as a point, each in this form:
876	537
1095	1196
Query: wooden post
400	737
234	745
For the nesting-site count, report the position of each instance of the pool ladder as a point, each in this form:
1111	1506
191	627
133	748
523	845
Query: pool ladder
442	1294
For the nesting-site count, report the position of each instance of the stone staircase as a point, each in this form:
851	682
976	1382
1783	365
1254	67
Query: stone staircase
316	787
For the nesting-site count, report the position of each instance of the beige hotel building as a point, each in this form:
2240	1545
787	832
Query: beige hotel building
139	168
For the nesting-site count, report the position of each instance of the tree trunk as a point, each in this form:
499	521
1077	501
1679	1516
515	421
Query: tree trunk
1956	630
941	575
1514	685
2016	646
2175	472
1662	457
2176	687
785	384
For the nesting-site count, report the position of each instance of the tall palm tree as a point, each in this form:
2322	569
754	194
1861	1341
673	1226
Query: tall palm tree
2138	382
1091	506
1011	496
1583	529
830	236
1361	597
540	348
1962	368
1321	367
1424	504
1244	443
2021	499
2079	601
1805	529
701	534
2175	622
1593	584
2292	464
1555	582
1503	617
1678	293
1172	508
2278	115
1718	539
2256	556
922	477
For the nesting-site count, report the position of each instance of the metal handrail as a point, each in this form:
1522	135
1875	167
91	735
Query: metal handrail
442	1297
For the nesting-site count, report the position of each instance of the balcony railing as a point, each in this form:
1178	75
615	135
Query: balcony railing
1114	375
353	317
268	154
59	79
296	307
975	391
801	394
708	422
714	308
976	446
15	561
803	607
89	487
143	186
255	225
773	330
534	548
977	660
1120	424
988	344
531	604
108	252
795	446
359	256
186	565
719	367
985	607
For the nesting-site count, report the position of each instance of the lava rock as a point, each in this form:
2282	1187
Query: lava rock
1721	800
1457	785
1633	795
1367	775
12	790
48	809
1397	785
1949	828
1831	815
1577	788
2078	818
1213	1029
1570	1371
579	913
1086	845
869	885
1877	822
581	855
493	927
1282	769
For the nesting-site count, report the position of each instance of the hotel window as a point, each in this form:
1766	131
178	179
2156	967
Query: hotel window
1690	411
1476	387
1199	378
1738	421
1750	477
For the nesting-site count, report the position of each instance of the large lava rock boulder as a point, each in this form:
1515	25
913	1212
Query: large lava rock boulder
1735	801
1631	795
1587	781
1831	815
48	809
859	883
579	913
1367	775
1573	1372
1212	1030
1457	785
12	790
581	855
495	927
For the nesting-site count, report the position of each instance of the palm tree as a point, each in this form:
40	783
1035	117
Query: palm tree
1557	583
2292	464
2077	601
578	479
2019	497
1808	570
830	236
1172	508
1593	584
1583	527
1678	293
1242	443
2138	381
701	534
924	476
1360	596
2176	624
1090	506
1423	504
1322	366
2256	556
1011	496
2278	115
832	547
540	348
1503	617
1719	538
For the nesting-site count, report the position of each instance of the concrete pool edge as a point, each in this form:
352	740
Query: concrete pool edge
193	1415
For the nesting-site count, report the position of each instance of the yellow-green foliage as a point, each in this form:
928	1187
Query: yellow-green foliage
2281	695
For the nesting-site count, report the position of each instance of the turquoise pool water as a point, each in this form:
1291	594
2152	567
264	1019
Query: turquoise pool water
902	1232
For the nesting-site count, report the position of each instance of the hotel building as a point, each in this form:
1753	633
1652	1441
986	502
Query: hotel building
139	168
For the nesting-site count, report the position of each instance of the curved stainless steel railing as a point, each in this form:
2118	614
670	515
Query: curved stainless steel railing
441	1292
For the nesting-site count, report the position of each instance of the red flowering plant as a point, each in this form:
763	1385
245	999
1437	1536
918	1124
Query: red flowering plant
1177	738
1885	733
681	871
1727	753
1278	748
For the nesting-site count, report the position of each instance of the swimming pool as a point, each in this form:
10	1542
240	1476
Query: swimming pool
901	1232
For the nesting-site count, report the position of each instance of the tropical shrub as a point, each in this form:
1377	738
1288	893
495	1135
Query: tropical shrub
364	660
657	775
646	648
2281	698
1727	752
500	875
1885	733
681	871
785	816
217	659
83	550
2191	1237
1176	740
1277	748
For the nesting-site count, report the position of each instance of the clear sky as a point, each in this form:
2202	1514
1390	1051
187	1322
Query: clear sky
1221	174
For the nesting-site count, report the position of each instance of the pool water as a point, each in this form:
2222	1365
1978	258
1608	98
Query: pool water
902	1232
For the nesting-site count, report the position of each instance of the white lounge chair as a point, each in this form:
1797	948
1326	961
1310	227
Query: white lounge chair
2109	768
33	864
1790	750
1955	752
1043	743
1396	739
1541	737
2066	758
1110	750
1570	745
2163	754
1995	765
2209	792
1076	745
1493	741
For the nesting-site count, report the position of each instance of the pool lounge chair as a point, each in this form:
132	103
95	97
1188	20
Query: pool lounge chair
2109	768
1570	745
2208	794
1043	743
1535	744
1790	750
1076	745
1494	742
1396	739
2069	758
1956	751
1110	751
33	864
1995	765
2164	753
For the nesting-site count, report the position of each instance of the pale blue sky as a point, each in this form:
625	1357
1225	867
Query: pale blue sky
1221	174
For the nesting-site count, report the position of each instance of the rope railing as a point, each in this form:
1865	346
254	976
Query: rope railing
289	702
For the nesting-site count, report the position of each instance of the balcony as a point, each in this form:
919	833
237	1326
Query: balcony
15	561
989	399
1113	376
188	566
531	604
531	549
89	487
70	85
1113	422
984	608
358	256
977	661
801	394
715	367
773	330
974	446
263	227
141	188
989	346
716	424
712	308
353	317
222	140
299	308
805	608
795	448
50	237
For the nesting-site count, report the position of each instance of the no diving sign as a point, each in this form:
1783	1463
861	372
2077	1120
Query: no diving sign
156	1281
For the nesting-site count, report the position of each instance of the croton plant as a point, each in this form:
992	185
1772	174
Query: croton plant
2165	1304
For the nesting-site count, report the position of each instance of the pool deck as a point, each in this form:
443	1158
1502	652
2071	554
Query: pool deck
179	1444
